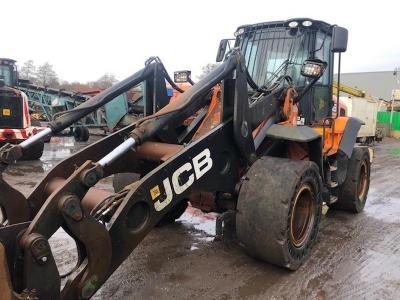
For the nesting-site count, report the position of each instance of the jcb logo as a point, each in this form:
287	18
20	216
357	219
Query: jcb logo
200	165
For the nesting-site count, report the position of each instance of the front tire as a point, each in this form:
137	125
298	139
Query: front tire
279	210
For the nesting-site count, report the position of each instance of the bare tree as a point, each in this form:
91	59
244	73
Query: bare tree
70	86
46	76
207	69
104	82
28	71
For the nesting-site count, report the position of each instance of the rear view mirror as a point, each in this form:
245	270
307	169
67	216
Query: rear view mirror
221	50
339	39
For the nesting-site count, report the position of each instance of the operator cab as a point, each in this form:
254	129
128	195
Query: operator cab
280	53
8	71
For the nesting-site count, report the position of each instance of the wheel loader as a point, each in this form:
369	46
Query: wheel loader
254	137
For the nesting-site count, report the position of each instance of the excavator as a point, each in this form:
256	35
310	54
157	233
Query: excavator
255	137
16	121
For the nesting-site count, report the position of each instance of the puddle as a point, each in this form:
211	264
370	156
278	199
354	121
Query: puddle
205	222
62	141
258	284
60	148
380	267
384	209
47	167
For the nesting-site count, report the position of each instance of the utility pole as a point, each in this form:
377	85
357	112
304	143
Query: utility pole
393	98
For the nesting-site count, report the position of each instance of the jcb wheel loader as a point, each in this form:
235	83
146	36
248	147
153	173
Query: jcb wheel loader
260	142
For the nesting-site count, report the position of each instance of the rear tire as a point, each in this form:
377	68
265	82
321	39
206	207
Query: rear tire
353	193
279	210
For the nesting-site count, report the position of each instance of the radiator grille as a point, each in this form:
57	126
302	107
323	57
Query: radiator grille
11	112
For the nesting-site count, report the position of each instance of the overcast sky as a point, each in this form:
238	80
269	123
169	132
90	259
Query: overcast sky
85	39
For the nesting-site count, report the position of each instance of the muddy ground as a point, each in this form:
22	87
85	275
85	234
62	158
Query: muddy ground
357	256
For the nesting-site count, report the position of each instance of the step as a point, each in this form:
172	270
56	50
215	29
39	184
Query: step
334	184
333	199
333	168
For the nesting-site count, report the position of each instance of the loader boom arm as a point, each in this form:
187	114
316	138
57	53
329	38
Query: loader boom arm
139	210
153	72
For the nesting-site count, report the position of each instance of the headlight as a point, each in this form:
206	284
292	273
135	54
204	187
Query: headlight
313	68
182	76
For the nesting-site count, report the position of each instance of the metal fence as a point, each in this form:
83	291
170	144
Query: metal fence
384	118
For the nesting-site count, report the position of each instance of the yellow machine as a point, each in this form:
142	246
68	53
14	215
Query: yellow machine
347	89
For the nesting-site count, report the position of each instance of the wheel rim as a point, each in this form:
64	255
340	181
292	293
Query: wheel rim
362	180
302	215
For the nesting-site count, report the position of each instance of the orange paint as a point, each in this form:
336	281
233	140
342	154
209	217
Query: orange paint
333	135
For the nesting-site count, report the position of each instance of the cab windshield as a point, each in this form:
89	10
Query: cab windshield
6	74
272	51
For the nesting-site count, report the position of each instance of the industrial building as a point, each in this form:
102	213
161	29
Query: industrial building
378	85
382	85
